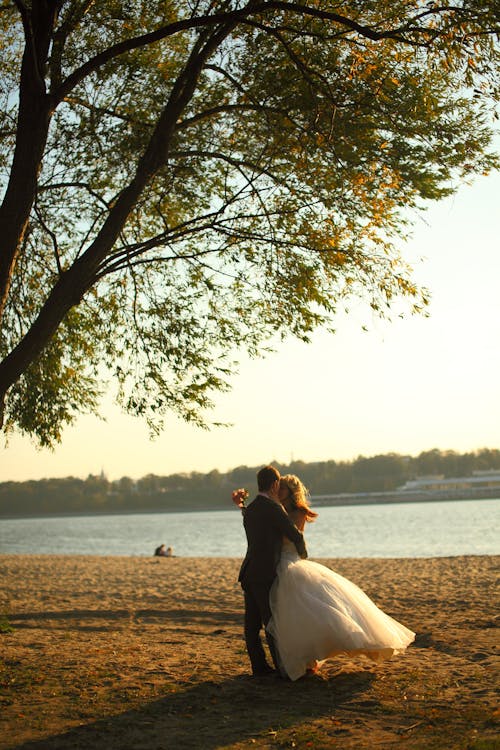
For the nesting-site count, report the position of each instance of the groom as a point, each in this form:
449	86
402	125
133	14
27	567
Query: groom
266	523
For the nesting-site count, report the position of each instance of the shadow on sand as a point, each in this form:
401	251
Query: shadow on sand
86	619
211	715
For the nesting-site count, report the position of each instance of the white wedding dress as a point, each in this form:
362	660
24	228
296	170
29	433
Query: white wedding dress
317	613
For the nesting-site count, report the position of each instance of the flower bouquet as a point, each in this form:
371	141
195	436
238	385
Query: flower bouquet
238	497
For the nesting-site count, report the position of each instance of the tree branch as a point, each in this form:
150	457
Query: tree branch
96	62
225	157
226	108
52	236
232	18
367	31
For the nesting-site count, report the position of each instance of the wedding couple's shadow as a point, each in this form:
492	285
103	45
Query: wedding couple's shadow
211	714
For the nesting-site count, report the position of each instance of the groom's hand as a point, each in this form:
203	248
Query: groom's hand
238	497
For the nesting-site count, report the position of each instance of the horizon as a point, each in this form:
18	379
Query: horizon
102	473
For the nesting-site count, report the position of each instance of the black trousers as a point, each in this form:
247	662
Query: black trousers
257	615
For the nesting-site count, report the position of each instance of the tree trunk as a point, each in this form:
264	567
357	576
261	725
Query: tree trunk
73	283
32	128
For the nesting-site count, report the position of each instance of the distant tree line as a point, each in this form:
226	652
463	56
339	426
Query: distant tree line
198	491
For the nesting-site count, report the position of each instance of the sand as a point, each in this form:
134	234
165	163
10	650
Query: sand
148	653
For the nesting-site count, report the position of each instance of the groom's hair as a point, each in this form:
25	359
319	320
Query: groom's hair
266	477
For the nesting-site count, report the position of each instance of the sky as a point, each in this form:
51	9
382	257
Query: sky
404	386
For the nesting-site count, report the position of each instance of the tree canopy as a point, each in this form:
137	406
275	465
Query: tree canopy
184	178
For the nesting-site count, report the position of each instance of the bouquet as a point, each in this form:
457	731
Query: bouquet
238	497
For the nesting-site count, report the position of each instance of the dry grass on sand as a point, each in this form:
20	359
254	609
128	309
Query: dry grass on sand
147	653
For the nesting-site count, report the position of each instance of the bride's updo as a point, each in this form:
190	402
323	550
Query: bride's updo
294	496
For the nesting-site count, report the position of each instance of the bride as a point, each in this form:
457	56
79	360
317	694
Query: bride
317	613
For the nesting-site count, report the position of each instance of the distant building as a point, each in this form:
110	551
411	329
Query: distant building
480	479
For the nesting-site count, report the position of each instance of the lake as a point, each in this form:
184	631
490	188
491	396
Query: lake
431	529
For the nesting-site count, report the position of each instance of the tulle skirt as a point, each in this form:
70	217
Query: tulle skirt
317	614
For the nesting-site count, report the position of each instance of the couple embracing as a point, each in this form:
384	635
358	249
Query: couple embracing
309	612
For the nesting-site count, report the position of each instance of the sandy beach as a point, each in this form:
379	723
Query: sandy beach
148	653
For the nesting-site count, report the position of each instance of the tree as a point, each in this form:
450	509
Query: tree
184	178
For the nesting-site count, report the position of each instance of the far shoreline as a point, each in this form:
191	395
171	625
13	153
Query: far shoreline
336	501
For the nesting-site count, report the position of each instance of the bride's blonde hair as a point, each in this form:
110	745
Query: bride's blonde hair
298	496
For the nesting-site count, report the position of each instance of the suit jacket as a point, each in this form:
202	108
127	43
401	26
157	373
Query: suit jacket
266	523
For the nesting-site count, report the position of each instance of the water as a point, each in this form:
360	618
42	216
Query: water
433	529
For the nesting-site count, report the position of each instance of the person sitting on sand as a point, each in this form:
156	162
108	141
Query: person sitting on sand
161	551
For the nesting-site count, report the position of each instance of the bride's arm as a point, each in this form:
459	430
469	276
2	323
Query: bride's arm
298	516
286	526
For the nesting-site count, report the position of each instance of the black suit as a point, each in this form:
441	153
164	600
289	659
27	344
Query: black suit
266	523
